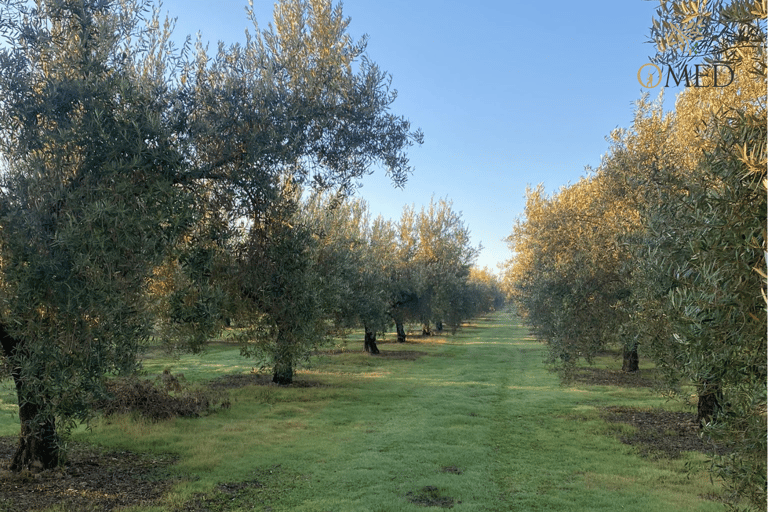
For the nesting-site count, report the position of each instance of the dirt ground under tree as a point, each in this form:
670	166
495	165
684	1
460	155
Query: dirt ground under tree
89	480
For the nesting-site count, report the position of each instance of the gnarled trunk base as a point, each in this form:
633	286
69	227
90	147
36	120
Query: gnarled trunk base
282	375
282	370
631	360
400	332
710	398
38	443
370	341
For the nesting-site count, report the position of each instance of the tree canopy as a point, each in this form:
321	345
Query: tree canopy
674	263
123	155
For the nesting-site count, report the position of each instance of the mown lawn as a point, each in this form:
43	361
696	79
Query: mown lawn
472	421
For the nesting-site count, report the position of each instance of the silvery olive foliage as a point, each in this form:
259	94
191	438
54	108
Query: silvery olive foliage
126	160
687	248
709	30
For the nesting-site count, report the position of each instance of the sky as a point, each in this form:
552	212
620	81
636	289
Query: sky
509	93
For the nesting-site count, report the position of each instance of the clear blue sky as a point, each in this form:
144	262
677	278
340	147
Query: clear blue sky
508	93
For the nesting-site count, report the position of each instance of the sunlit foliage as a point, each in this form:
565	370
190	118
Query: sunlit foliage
568	277
678	270
434	256
128	163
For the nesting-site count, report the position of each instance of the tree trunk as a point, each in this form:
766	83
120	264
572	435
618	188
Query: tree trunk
425	330
282	371
710	396
400	331
439	326
38	443
631	360
370	341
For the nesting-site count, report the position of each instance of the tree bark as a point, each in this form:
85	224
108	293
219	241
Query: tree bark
439	326
370	341
400	331
38	442
425	330
710	396
282	371
38	447
631	360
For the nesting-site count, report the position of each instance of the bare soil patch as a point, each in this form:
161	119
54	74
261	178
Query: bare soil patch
610	377
660	433
430	496
90	480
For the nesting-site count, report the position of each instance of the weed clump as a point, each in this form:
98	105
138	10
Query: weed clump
160	399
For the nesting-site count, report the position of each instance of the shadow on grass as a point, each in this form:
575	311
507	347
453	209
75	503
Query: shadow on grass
430	496
259	379
659	433
610	377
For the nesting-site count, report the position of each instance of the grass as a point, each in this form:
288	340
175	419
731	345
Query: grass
475	421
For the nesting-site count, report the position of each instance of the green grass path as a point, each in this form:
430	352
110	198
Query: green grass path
476	422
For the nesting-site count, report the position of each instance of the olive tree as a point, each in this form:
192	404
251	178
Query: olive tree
405	278
298	103
87	204
280	292
568	277
119	150
715	30
719	301
699	295
354	263
712	263
443	259
433	255
484	293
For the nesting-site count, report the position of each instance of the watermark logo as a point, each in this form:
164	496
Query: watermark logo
695	75
652	72
686	39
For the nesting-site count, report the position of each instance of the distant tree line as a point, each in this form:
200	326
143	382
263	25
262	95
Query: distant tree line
661	250
325	268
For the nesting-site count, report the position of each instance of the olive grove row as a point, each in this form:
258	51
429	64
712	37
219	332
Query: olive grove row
661	250
154	191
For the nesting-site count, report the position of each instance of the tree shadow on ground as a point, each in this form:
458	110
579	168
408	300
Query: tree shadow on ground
406	355
660	433
430	496
241	380
609	377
